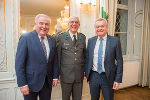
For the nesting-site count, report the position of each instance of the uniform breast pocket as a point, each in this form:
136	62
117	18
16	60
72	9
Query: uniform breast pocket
66	46
81	46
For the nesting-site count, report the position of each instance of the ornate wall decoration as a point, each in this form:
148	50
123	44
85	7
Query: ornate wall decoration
138	16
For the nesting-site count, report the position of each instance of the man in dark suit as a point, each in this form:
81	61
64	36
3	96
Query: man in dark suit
36	61
71	56
104	62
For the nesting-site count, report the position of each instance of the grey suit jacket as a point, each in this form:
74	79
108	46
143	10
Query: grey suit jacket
71	58
113	61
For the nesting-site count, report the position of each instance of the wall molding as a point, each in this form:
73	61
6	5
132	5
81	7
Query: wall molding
8	80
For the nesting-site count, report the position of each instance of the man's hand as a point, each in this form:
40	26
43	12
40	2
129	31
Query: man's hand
55	83
25	90
115	85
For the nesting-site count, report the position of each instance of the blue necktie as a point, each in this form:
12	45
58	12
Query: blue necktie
100	52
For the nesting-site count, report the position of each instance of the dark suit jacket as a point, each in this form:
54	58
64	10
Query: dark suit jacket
113	61
71	58
31	64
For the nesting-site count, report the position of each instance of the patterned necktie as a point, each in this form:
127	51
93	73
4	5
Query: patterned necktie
100	52
44	47
75	40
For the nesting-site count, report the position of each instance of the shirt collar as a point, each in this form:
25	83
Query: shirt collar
71	35
104	38
45	37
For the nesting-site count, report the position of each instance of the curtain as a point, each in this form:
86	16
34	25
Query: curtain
112	10
144	74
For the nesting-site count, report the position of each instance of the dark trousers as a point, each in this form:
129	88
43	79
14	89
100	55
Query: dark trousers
74	88
44	93
97	82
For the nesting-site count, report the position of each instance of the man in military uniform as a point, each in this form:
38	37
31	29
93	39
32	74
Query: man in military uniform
71	55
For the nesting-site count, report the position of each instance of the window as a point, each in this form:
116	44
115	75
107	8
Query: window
122	24
123	2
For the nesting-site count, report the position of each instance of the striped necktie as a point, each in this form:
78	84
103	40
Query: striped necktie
44	47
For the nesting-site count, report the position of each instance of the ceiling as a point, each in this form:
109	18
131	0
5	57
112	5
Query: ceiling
49	7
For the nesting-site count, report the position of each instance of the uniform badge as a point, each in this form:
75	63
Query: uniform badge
80	37
67	36
66	44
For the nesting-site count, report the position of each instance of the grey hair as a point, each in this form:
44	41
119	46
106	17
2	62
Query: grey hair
101	19
41	15
58	27
72	17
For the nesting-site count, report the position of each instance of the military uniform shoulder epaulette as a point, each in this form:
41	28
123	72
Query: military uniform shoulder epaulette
82	34
59	34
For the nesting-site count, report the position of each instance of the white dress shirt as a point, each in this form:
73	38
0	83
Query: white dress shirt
45	40
95	58
71	35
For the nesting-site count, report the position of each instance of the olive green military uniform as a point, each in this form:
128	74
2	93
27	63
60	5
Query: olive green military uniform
71	63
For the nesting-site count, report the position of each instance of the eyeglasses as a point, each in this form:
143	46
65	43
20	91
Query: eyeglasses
72	22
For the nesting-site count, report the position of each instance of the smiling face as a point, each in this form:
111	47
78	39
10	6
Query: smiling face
42	26
73	25
101	28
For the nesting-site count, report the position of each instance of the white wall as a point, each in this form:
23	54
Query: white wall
130	74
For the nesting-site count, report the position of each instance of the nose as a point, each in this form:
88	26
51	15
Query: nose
44	25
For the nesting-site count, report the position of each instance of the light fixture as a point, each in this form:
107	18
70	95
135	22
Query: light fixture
63	20
89	2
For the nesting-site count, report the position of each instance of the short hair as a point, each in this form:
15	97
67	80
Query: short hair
101	19
41	15
72	17
58	27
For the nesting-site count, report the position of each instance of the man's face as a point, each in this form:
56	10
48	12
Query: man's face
42	26
73	25
101	28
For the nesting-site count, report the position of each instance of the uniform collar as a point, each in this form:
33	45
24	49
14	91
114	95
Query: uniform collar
71	35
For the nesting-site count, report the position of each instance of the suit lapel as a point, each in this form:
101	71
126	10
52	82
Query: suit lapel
108	46
39	45
93	46
50	44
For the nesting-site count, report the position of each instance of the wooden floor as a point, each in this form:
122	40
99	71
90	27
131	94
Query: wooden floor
133	93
